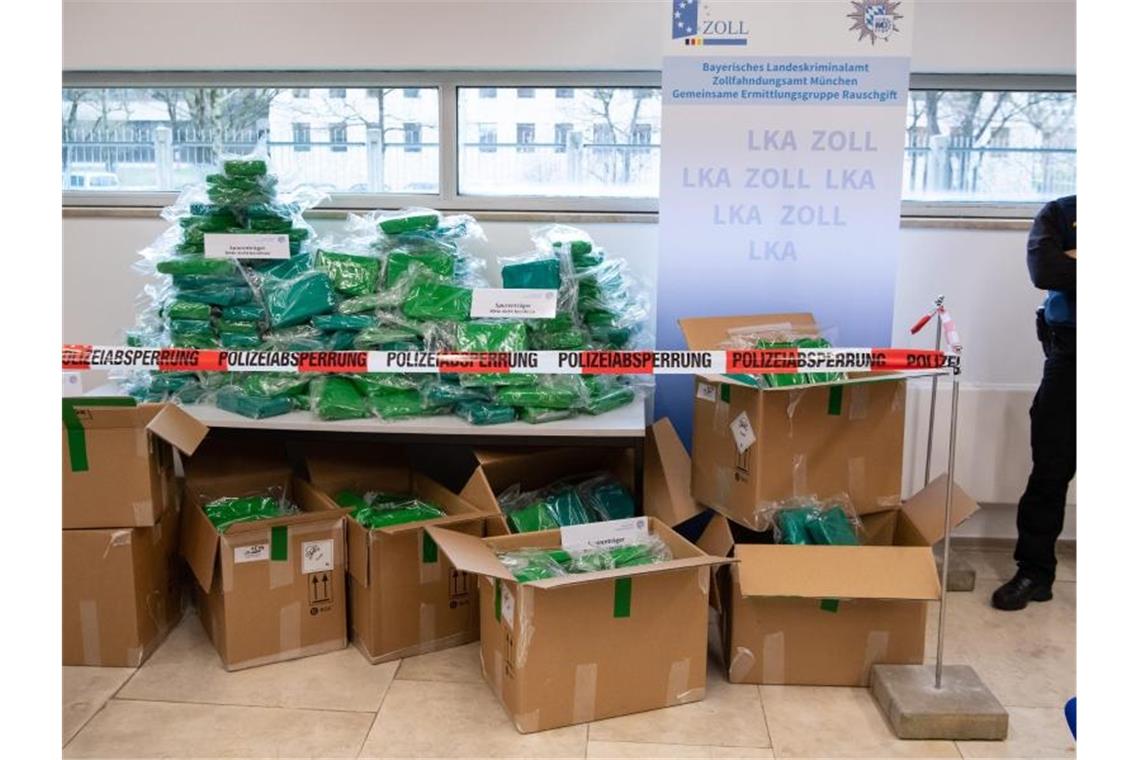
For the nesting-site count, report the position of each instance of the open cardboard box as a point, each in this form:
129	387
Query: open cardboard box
585	647
267	590
116	472
819	439
122	592
407	599
823	615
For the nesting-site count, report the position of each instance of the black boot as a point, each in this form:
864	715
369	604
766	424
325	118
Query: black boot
1020	591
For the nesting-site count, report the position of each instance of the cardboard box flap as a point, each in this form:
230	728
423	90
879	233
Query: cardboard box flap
668	474
199	546
717	537
837	572
179	428
710	333
106	412
469	554
927	509
386	466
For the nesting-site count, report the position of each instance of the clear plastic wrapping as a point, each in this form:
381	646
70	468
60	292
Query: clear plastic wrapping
570	502
377	509
533	564
812	521
784	336
224	511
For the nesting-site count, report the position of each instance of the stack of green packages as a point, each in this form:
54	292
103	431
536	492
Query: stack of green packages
377	509
594	499
228	510
798	378
815	524
537	564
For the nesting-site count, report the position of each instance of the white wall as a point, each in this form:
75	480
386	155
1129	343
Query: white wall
956	36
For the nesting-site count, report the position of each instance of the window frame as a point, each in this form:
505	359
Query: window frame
447	83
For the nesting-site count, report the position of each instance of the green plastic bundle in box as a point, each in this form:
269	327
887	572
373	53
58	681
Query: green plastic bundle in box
542	274
538	564
177	309
410	221
236	400
336	398
815	525
381	510
293	301
438	260
228	510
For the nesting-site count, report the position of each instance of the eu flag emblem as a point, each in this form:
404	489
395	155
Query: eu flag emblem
684	18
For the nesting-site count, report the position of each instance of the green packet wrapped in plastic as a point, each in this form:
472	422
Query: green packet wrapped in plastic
228	510
548	395
383	337
609	398
831	527
531	518
537	415
351	275
440	261
400	404
178	309
437	300
550	508
191	328
245	167
485	412
217	295
538	564
446	393
257	407
791	525
336	398
491	336
244	312
811	524
284	269
384	382
360	304
240	341
381	510
606	498
240	327
196	265
291	302
410	221
542	274
334	322
274	384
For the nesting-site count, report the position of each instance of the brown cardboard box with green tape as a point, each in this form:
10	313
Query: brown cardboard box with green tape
588	646
267	590
754	446
407	598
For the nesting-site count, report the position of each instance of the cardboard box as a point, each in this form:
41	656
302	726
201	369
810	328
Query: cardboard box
498	469
586	647
121	592
820	439
823	615
116	472
267	590
405	597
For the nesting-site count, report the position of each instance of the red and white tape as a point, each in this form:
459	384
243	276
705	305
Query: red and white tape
747	362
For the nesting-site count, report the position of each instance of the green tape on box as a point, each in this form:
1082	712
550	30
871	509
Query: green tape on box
76	438
724	392
498	600
835	400
829	605
429	553
623	592
279	543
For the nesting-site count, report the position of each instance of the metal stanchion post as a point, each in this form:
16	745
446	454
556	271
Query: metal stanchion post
933	402
946	535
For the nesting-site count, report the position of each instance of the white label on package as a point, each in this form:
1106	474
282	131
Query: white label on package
526	303
706	392
221	245
742	432
316	556
251	553
606	535
507	605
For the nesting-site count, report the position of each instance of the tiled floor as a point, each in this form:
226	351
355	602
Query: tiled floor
181	703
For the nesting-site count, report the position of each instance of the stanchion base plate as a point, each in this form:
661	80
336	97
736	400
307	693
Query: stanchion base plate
963	709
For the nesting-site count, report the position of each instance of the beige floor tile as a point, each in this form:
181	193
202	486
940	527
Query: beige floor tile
999	566
85	690
186	668
447	719
835	722
1027	658
126	729
1033	732
640	749
454	664
729	715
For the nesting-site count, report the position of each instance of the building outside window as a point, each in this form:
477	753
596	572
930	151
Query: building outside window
488	138
564	92
488	92
338	138
337	93
562	132
301	137
525	92
411	92
524	138
413	137
300	93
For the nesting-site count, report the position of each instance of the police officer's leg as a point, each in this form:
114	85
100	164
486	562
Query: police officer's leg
1053	436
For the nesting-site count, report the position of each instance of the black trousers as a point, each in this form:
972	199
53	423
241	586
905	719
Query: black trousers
1053	437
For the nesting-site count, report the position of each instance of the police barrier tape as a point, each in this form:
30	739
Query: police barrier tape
744	361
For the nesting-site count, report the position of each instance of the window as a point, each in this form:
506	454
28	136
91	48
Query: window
412	137
562	135
488	138
337	93
526	92
146	139
301	141
524	138
990	146
300	93
488	92
411	92
597	143
338	138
